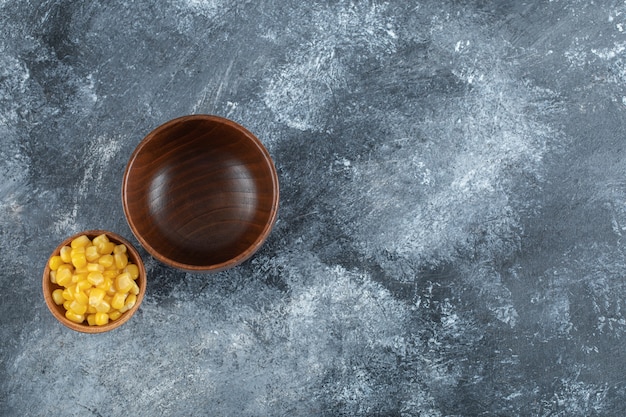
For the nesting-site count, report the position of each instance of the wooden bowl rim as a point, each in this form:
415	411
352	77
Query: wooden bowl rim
244	255
83	327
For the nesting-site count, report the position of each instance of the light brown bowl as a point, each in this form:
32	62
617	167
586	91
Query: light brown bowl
201	193
58	311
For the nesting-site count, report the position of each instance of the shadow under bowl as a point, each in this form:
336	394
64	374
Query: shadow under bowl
201	193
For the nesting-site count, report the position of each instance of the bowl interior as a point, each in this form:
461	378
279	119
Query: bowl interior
58	311
200	193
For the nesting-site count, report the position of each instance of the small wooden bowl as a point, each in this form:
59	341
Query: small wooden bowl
201	193
58	311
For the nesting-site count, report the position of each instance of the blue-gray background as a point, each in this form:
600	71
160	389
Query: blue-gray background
452	206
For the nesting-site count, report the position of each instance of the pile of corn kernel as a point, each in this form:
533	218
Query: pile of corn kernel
97	279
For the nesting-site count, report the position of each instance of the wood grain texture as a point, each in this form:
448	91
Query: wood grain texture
201	193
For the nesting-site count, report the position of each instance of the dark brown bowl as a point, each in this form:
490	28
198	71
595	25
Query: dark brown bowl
58	311
201	193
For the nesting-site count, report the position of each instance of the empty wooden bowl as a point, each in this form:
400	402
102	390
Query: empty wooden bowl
58	311
201	193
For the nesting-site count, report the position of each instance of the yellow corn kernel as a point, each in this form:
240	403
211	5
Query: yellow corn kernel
105	248
130	303
108	286
91	267
68	294
76	318
123	282
64	279
80	276
65	254
53	277
106	283
103	307
106	261
111	274
95	278
76	288
101	319
78	308
64	266
57	297
83	285
103	238
81	270
121	248
66	305
91	319
91	309
133	270
64	276
81	298
96	295
121	260
114	315
80	242
79	260
118	300
134	289
75	250
55	262
91	252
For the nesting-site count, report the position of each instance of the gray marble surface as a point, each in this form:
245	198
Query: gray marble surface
453	205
